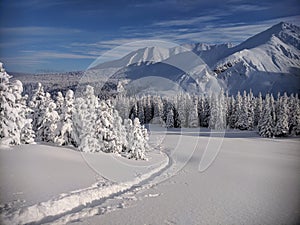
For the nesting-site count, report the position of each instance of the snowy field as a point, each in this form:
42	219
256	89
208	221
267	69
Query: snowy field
251	181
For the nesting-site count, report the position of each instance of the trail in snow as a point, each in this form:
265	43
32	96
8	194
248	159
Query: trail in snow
75	201
252	181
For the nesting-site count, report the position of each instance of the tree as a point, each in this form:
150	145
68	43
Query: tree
170	117
282	115
236	112
193	118
214	104
180	106
218	112
267	121
120	132
258	109
148	109
157	110
137	142
59	102
294	120
37	104
244	116
140	109
14	124
47	129
84	120
106	131
27	133
64	131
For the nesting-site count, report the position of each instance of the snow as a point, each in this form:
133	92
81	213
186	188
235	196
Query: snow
266	62
39	181
252	181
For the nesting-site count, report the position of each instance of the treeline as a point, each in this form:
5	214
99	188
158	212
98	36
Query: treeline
271	117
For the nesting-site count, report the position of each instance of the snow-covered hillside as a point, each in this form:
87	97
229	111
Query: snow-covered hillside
267	62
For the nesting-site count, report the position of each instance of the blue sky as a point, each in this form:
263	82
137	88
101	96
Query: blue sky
57	36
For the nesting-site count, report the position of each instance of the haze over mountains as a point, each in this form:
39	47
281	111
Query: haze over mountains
266	62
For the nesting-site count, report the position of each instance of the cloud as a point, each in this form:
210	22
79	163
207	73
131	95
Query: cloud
37	30
248	7
188	21
59	55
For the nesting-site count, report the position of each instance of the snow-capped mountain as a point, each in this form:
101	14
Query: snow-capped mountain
147	55
267	62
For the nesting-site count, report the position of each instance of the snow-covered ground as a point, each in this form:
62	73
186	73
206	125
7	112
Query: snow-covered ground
251	181
42	181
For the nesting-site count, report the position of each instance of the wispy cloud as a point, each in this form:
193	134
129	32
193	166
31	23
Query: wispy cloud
188	21
59	55
37	30
248	7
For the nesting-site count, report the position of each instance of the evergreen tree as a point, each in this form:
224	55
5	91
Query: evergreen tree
258	109
294	119
267	121
37	104
105	130
84	119
59	103
27	133
140	109
214	104
47	129
242	122
170	117
136	140
282	115
236	112
157	110
14	124
193	117
148	109
64	131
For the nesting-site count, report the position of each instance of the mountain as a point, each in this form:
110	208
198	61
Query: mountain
146	55
267	62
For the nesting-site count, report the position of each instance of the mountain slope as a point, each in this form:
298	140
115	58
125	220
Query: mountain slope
267	62
147	55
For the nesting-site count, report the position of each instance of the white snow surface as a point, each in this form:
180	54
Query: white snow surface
252	181
41	181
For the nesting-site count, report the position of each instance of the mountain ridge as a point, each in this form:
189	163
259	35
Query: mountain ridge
266	62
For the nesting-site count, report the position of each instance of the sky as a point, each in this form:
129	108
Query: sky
42	36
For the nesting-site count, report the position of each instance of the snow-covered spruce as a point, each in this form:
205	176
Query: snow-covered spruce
137	139
15	126
98	127
64	130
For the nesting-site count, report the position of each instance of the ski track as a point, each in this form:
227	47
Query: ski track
82	203
97	208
